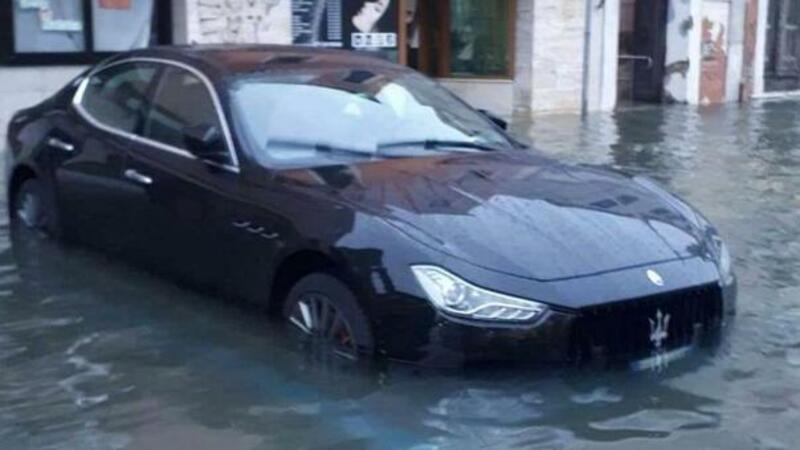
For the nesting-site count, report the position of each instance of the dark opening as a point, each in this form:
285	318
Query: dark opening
782	71
642	51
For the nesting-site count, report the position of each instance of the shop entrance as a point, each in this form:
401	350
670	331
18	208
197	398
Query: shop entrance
642	51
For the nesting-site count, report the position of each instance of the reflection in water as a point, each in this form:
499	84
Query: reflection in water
95	354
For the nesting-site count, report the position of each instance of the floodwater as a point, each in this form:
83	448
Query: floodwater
95	354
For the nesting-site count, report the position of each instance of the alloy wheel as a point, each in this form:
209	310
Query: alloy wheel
324	325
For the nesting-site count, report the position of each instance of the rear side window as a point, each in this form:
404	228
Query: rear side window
117	96
181	101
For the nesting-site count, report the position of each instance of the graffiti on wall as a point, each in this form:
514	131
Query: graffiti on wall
240	21
713	69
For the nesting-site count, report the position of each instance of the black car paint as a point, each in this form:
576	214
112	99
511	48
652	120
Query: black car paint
512	221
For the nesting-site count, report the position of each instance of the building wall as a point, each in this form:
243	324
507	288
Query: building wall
759	57
558	55
706	62
605	21
684	26
523	56
735	75
749	47
715	53
496	96
22	87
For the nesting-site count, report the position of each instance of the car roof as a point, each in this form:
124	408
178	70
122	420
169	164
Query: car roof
227	60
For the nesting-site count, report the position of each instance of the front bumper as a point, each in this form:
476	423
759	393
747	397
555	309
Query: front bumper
608	334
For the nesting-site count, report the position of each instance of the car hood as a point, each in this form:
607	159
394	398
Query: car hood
520	213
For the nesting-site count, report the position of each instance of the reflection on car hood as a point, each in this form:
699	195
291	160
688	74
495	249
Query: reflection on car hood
521	214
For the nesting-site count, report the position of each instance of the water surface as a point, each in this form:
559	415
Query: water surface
95	354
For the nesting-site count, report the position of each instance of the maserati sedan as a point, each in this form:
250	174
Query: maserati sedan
368	208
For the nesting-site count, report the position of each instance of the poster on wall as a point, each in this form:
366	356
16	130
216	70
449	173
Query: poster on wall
317	22
363	25
240	21
371	25
49	22
51	16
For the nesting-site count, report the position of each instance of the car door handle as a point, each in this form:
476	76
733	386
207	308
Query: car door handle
61	145
140	178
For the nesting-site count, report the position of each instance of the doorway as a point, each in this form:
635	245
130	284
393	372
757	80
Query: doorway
782	72
642	51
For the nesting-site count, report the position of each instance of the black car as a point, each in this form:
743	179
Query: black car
371	208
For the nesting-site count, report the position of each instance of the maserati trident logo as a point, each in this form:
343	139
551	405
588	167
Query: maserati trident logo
655	278
659	329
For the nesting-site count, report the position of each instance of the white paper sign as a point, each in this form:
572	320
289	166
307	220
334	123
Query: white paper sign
34	4
374	40
63	25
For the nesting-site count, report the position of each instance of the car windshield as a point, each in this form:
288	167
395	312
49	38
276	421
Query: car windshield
325	117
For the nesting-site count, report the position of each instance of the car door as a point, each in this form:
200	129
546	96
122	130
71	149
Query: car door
92	141
200	221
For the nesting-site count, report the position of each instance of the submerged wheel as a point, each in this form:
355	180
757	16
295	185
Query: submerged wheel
31	209
328	318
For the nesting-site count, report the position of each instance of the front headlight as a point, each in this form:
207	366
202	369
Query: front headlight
724	261
460	298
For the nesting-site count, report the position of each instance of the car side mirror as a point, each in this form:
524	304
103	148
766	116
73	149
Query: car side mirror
497	120
205	142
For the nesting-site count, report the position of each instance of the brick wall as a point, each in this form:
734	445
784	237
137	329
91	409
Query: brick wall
714	50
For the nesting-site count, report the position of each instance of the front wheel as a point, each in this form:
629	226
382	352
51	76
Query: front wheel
328	318
31	210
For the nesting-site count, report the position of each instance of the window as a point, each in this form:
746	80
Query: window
121	25
181	101
55	28
462	38
79	31
117	96
479	38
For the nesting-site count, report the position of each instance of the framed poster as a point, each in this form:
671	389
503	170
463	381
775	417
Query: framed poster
372	26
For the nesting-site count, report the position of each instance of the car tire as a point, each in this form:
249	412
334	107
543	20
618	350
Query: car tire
32	211
326	315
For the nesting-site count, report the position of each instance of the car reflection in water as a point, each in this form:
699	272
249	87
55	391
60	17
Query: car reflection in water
111	337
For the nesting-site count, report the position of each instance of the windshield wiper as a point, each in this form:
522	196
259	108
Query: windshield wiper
287	145
382	150
433	145
324	148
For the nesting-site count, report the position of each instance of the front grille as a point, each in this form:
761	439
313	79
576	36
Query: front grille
623	329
